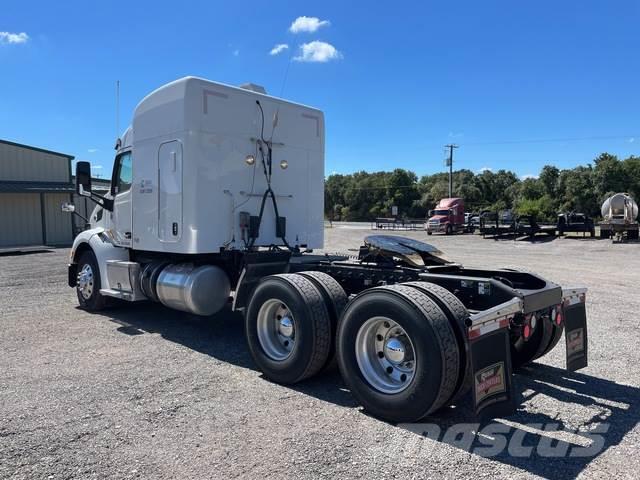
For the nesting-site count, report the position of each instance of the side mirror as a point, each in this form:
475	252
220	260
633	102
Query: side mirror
83	179
68	207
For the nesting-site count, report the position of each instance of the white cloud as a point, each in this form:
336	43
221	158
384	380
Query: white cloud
279	48
529	175
485	169
92	150
8	37
317	51
632	139
307	24
96	167
236	52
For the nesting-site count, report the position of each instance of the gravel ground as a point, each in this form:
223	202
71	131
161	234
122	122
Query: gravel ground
145	392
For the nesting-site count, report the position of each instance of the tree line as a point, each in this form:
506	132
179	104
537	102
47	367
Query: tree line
364	196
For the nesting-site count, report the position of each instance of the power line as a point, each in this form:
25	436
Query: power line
554	140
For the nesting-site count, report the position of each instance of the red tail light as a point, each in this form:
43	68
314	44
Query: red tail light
556	315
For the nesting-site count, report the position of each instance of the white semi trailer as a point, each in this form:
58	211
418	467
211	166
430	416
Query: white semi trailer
619	217
216	202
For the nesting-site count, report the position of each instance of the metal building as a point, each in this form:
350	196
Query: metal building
34	182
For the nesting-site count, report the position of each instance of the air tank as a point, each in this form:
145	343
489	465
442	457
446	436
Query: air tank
198	289
620	206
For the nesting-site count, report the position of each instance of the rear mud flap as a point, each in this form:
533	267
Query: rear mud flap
491	365
490	351
575	324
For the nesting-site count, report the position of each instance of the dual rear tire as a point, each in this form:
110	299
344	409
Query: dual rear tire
290	324
398	347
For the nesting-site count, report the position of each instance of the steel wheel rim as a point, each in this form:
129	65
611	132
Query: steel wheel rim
276	329
85	281
385	355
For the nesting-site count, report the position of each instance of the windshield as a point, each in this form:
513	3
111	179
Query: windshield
441	212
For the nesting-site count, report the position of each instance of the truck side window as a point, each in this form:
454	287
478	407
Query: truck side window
124	173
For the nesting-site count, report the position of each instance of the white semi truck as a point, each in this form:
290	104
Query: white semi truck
216	202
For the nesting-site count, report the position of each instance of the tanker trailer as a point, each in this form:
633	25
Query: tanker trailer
619	217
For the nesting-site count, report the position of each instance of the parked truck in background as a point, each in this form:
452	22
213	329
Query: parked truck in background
447	217
216	202
619	217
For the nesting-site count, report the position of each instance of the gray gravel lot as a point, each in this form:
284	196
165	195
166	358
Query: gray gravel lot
145	392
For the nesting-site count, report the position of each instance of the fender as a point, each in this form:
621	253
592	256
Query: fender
98	240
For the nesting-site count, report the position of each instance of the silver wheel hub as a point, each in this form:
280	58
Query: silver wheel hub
85	281
276	329
285	327
394	350
385	355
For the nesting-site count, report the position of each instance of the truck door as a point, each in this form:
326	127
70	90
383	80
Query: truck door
121	191
170	192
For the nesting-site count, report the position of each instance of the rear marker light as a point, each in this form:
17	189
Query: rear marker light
527	331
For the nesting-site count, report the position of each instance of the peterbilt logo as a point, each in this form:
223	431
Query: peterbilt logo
489	381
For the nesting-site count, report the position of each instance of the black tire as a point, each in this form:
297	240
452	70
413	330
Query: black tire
312	328
457	314
524	352
95	301
336	300
429	232
555	338
632	234
449	230
436	352
604	234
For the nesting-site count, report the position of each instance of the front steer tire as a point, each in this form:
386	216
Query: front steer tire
88	283
296	298
436	356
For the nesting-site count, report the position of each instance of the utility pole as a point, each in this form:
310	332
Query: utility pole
450	165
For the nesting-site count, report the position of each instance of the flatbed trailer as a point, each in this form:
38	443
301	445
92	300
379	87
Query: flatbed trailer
527	226
410	330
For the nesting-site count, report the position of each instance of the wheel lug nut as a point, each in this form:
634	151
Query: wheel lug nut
380	354
379	337
386	325
389	370
403	377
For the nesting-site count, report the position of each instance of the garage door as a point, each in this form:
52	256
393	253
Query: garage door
20	219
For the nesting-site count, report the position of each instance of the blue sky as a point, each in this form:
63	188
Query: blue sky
396	80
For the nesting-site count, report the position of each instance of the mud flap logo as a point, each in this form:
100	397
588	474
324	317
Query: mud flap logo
490	381
575	342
